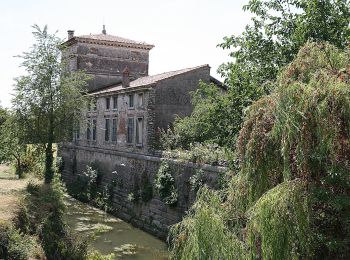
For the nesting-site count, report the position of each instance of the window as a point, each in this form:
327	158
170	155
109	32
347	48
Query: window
108	101
114	130
115	102
107	130
88	130
94	129
140	99
130	136
139	131
131	101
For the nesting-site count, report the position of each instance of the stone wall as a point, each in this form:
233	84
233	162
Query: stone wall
129	172
173	96
106	63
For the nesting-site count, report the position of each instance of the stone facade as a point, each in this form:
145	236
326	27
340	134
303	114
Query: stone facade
104	57
120	130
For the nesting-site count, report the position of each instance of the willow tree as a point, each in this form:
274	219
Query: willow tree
291	197
49	97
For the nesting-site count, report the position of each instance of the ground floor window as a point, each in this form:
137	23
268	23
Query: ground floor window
139	131
88	130
130	132
114	129
107	129
94	129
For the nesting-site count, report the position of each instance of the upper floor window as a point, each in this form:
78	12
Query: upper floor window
108	103
140	99
131	100
130	132
115	102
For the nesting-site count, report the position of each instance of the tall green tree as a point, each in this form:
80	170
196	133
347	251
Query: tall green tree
48	98
272	40
277	31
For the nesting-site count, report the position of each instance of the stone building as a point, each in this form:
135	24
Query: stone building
131	106
119	136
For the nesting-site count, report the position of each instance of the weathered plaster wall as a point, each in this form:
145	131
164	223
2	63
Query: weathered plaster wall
129	171
106	63
121	114
172	96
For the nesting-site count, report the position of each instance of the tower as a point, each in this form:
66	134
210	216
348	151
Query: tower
104	57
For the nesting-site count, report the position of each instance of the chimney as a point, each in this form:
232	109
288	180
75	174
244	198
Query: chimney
104	30
125	78
70	34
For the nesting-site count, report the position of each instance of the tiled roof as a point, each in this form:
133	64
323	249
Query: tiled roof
111	38
148	80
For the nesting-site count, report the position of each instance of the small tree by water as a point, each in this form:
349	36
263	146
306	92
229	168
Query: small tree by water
48	99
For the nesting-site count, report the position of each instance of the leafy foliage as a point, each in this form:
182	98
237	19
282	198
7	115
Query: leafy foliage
47	99
202	234
14	245
165	184
272	40
290	199
42	214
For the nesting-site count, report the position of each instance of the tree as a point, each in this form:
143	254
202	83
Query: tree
48	98
12	144
291	196
278	29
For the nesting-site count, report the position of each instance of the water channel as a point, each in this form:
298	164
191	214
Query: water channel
112	235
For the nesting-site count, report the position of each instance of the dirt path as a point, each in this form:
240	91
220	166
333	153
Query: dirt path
11	191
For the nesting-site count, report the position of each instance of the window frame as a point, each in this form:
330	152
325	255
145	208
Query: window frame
88	130
94	129
139	133
129	101
140	104
115	104
107	130
108	103
130	138
114	136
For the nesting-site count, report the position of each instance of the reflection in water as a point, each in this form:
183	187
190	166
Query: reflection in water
112	234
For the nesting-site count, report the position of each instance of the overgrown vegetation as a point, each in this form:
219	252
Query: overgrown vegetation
17	246
87	187
42	214
165	184
290	199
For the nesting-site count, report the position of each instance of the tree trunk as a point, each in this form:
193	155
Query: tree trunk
19	170
49	172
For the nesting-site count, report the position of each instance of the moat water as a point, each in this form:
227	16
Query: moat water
112	235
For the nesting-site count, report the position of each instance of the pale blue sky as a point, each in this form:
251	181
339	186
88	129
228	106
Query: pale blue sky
185	32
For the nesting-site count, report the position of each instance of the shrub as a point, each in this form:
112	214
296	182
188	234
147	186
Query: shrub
14	245
165	184
42	214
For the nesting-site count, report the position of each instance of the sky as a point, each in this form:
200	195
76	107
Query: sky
185	32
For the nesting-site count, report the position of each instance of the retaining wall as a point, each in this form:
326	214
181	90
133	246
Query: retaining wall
129	171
